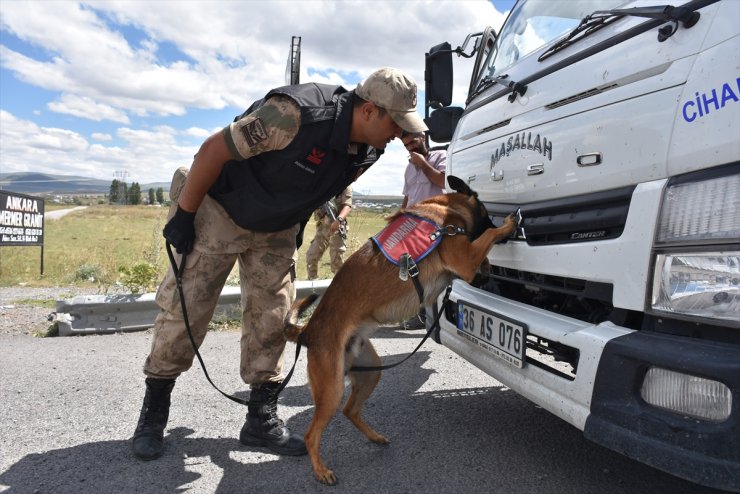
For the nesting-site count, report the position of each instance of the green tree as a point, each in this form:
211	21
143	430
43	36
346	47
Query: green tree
151	196
134	194
160	195
115	192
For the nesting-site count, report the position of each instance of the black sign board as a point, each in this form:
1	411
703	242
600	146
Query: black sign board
21	219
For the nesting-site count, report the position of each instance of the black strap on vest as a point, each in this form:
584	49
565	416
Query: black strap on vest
408	267
449	230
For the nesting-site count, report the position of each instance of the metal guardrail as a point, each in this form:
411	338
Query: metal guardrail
103	314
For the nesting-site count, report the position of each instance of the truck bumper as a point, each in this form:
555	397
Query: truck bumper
603	397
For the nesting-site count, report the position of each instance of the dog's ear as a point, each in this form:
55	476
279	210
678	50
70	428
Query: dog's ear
459	186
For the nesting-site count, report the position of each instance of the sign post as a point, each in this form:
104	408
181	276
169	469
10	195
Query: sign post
22	221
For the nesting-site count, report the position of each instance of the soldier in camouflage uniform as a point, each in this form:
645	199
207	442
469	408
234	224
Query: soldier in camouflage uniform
250	189
327	235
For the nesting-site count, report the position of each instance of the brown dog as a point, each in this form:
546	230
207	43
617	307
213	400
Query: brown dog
367	292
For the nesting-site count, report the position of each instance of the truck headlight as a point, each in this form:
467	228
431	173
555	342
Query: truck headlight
703	285
697	255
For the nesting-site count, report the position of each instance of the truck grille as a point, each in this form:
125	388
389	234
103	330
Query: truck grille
585	218
560	284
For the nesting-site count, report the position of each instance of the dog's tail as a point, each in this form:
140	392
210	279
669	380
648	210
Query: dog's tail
291	328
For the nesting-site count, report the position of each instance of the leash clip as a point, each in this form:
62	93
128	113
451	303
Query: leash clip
403	267
407	267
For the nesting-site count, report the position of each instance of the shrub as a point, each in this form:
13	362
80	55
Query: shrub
88	272
139	277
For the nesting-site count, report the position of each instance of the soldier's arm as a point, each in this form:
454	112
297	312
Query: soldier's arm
345	202
271	127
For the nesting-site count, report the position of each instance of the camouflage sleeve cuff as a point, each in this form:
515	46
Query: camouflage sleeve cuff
345	197
269	128
230	142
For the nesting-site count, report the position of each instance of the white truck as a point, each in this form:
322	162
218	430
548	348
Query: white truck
613	127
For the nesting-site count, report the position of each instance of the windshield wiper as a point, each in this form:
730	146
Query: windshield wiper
601	18
503	80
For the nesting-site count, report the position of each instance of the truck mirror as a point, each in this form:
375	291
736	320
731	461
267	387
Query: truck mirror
438	76
442	123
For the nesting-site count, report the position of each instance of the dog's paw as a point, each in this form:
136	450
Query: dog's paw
378	439
510	224
326	476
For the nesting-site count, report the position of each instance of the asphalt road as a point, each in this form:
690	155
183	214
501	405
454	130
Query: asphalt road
69	405
60	213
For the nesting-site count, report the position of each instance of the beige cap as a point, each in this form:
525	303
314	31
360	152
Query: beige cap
394	91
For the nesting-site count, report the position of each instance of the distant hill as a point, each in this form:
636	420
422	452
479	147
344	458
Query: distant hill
48	184
45	184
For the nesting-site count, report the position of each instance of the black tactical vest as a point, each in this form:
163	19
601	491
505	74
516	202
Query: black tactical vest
278	189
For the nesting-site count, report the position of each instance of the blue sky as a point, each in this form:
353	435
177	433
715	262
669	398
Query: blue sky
95	88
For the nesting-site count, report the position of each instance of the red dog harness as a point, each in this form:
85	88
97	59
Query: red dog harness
407	240
408	234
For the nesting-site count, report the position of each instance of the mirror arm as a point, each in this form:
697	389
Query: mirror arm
460	53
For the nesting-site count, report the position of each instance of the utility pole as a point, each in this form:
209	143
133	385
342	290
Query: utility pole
293	67
121	176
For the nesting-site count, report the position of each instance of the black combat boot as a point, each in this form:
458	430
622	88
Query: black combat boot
264	428
149	436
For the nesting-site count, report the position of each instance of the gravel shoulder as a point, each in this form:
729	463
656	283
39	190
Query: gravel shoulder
26	310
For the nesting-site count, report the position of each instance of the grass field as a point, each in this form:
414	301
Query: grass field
89	247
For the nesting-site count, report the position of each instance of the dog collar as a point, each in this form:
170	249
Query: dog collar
449	230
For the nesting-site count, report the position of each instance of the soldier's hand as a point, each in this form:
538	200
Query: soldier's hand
180	231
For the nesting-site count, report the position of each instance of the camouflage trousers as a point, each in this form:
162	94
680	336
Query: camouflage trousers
323	239
266	274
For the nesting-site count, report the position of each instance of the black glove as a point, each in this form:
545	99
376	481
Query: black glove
180	232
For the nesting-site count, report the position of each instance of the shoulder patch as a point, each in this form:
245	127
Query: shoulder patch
254	132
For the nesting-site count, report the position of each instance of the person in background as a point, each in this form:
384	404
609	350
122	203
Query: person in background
425	173
250	189
424	177
328	234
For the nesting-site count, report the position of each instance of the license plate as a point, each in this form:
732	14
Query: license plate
501	337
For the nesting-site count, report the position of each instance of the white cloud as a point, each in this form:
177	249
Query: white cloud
84	107
98	136
385	177
148	155
197	132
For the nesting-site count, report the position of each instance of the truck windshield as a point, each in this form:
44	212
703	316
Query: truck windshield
534	23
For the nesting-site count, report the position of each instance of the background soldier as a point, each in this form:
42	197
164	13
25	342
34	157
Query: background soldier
328	235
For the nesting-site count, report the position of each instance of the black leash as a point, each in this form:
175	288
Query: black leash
434	325
178	280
